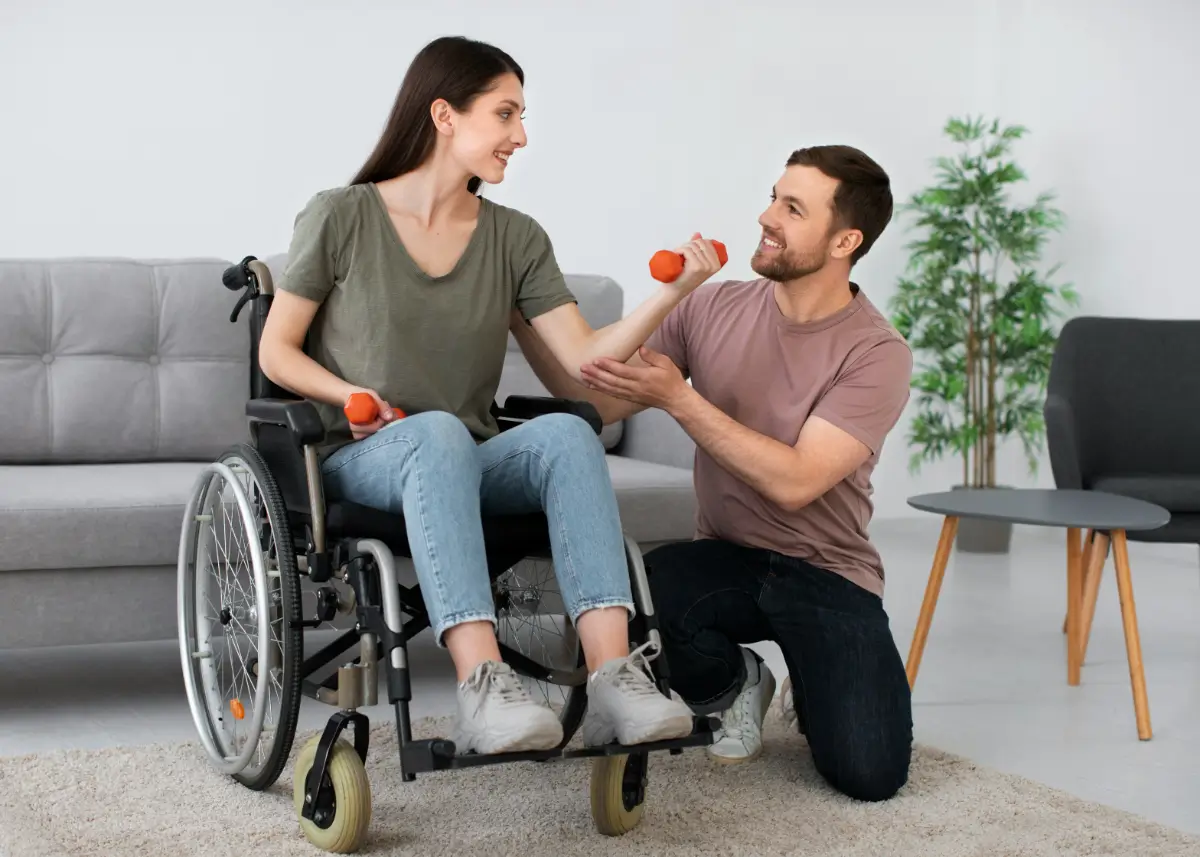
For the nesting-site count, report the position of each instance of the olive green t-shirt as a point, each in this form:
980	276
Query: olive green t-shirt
423	343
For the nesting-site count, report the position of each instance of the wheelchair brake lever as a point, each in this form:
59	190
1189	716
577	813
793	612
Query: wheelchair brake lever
247	295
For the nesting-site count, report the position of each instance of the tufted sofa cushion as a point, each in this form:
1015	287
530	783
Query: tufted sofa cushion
111	360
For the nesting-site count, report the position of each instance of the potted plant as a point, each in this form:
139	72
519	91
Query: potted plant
975	307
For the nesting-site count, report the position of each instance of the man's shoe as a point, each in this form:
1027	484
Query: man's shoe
626	706
740	736
496	714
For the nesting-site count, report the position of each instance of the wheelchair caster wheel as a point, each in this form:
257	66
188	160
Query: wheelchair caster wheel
343	800
618	793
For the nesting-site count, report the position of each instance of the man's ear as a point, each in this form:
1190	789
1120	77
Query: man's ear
845	242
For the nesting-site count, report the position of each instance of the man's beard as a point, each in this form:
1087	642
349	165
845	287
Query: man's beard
786	267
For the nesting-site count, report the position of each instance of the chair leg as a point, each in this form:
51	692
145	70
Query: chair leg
1093	569
932	588
1133	646
1074	596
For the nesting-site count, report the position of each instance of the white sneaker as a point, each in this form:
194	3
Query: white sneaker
740	736
626	706
787	702
496	714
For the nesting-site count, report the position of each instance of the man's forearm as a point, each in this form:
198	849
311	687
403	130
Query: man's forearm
769	467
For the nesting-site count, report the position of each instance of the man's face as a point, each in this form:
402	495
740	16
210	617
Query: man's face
798	236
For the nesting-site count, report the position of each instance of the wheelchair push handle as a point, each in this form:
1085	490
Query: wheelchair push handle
667	265
361	409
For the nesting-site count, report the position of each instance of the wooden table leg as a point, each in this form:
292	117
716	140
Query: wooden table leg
932	588
1087	547
1133	645
1074	597
1093	568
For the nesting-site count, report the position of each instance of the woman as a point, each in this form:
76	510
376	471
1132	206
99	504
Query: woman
405	283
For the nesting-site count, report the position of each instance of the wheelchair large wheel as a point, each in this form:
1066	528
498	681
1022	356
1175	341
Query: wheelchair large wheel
532	622
239	618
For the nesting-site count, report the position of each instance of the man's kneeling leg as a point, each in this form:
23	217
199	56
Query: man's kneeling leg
847	682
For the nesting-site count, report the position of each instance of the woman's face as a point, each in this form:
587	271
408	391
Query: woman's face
483	138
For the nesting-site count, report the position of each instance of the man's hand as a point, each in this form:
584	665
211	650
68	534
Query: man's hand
659	384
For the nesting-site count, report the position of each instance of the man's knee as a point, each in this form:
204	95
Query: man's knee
667	570
868	776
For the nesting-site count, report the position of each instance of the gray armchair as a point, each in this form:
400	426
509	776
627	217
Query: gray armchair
1123	416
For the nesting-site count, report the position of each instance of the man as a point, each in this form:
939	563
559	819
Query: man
796	380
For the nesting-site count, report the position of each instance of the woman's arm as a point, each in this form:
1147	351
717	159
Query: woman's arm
560	384
282	359
573	342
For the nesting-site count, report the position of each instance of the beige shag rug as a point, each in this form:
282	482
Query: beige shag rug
165	801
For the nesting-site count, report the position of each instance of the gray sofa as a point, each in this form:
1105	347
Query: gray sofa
119	378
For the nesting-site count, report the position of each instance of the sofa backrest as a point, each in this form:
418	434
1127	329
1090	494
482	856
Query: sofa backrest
107	360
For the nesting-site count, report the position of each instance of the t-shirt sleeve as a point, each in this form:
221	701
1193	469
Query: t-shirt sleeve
541	286
670	337
311	263
867	400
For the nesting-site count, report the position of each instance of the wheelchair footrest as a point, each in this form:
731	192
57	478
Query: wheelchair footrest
702	735
439	754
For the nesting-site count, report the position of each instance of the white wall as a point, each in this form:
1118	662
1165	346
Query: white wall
150	129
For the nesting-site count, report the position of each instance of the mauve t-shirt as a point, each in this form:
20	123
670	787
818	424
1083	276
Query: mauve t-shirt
852	368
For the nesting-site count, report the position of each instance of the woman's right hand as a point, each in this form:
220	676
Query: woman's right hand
386	415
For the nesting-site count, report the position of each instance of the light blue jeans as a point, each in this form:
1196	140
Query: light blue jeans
430	468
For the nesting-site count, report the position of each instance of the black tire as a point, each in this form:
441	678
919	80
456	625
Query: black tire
290	632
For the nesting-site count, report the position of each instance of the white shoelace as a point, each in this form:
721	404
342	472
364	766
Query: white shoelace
632	674
501	683
739	719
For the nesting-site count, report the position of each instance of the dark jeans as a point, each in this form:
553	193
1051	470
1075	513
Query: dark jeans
848	681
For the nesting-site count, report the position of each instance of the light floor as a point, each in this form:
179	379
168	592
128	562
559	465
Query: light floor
992	685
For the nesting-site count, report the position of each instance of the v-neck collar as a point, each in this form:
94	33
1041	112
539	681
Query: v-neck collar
477	237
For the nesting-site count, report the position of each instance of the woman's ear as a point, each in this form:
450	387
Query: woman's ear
443	116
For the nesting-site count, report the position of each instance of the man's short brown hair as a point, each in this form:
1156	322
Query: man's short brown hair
863	199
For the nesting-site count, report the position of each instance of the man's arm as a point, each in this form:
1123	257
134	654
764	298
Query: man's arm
847	425
791	477
845	428
560	384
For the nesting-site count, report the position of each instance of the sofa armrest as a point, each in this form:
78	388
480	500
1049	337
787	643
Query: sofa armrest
528	407
297	415
1062	440
653	435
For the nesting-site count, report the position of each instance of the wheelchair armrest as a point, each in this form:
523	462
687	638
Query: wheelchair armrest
528	407
297	415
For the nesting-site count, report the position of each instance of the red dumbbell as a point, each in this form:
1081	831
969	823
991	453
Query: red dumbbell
360	409
667	265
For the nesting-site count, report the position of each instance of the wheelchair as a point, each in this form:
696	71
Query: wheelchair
263	559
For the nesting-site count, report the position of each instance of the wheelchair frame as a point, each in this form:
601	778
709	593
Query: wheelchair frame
285	432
